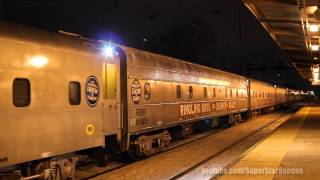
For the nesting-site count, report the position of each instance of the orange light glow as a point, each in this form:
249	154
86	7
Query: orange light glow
213	82
314	27
38	61
314	47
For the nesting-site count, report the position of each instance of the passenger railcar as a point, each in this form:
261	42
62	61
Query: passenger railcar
165	92
62	93
264	96
45	82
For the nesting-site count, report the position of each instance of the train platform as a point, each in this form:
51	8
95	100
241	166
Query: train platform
291	152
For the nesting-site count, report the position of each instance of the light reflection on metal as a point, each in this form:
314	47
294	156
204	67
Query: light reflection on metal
38	61
213	82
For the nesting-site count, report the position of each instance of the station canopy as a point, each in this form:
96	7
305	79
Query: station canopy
295	27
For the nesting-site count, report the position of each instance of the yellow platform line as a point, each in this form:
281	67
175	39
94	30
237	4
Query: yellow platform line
270	152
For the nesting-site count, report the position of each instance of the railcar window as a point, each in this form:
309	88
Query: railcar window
21	92
205	92
214	92
147	91
190	92
178	92
74	93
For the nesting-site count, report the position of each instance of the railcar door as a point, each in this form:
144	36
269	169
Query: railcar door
111	99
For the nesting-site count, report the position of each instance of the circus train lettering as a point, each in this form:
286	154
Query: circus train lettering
196	109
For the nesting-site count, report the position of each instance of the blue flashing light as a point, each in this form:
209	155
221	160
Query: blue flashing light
108	51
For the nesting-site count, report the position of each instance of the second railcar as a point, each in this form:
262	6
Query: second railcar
164	92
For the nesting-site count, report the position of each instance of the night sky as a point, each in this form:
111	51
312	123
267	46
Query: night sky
220	34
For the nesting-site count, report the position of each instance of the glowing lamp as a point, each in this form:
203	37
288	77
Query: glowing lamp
314	47
314	27
108	51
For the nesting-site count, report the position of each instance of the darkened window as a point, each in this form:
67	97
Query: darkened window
226	92
214	92
178	91
190	92
237	93
147	91
230	93
21	92
205	92
74	93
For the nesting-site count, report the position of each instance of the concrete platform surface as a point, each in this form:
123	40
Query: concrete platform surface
291	152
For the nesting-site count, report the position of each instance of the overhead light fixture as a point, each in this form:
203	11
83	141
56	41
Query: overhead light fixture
314	47
315	58
314	27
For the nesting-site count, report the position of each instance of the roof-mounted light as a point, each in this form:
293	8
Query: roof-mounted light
314	27
108	51
314	47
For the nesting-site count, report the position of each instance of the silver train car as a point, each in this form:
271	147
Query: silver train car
62	94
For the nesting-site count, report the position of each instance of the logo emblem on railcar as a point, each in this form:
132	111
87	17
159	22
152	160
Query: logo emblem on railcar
90	129
136	91
92	91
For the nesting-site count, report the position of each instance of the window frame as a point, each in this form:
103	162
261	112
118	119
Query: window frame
205	92
71	102
28	97
178	91
145	92
190	92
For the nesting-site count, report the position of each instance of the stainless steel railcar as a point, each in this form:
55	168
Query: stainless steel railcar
63	93
264	95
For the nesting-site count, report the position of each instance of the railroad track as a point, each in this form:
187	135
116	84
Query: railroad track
203	162
176	144
180	143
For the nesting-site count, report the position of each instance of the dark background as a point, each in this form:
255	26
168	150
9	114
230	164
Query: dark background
220	34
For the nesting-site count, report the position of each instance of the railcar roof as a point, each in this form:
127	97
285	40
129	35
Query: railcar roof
77	43
152	60
26	34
